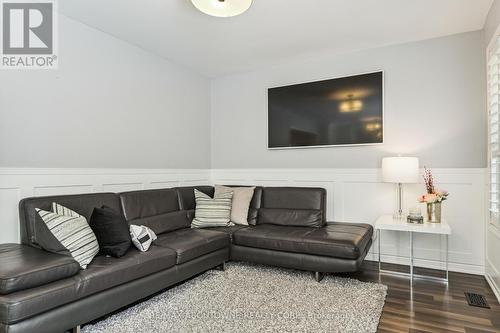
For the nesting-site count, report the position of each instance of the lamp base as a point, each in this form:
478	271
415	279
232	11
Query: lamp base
398	216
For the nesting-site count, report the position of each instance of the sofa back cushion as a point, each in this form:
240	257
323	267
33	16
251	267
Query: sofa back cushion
155	209
291	217
294	206
187	200
34	231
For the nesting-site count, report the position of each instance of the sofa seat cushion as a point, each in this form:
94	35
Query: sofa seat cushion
193	243
101	274
106	272
228	230
24	267
26	303
338	240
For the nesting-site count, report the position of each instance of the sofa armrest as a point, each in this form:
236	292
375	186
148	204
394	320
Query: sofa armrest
24	267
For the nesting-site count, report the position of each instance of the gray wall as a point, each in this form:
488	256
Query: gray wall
434	107
109	104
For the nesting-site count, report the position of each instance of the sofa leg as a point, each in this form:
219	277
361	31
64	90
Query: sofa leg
75	329
318	276
221	267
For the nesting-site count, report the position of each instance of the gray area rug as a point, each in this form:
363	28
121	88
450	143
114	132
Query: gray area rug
254	298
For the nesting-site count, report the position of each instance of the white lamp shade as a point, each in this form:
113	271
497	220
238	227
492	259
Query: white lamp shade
222	8
400	169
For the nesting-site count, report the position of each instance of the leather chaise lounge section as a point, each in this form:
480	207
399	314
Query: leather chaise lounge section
291	231
44	291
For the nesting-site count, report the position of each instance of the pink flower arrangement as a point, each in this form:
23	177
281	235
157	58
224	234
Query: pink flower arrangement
433	195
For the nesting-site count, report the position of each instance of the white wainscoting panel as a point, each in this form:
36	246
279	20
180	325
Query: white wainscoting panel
9	198
359	195
16	184
354	195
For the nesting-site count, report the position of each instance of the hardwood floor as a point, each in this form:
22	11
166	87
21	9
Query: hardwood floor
432	306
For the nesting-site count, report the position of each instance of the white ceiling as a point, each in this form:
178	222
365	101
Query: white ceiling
273	30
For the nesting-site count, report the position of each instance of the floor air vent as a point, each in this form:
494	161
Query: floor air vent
477	300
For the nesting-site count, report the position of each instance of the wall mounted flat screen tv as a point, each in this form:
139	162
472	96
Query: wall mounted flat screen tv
341	111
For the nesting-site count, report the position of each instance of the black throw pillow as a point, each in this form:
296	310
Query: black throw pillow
111	230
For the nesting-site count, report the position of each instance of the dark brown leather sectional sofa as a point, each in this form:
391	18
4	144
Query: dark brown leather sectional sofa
42	291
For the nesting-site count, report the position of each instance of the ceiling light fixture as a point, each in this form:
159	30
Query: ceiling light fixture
222	8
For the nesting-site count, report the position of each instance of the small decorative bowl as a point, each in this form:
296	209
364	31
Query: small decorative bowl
419	219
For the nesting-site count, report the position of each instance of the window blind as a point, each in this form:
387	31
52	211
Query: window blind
494	130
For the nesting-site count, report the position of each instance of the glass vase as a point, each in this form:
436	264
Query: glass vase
434	212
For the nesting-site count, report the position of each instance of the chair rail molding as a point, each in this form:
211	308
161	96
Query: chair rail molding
18	183
359	195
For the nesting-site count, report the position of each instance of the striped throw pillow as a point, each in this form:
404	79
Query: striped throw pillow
214	212
61	210
73	231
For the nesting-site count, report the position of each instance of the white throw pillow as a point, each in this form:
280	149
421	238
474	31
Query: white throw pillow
72	231
210	212
142	237
242	196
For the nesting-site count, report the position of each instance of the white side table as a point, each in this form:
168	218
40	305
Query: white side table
387	222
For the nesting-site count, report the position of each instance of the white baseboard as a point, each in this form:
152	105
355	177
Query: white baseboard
492	275
426	263
493	286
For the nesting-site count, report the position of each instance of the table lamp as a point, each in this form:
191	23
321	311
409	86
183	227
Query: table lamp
400	170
